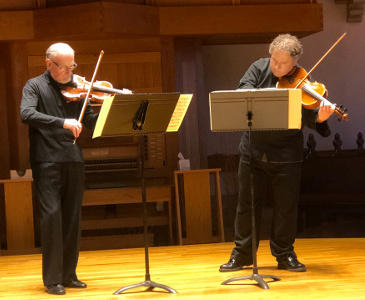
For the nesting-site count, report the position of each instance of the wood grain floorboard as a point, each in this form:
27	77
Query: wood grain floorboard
336	270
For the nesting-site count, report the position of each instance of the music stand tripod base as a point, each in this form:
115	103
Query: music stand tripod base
258	278
147	283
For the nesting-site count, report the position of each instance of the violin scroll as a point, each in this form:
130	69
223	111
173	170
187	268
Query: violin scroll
341	112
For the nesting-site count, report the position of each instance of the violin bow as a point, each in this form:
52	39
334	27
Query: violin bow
91	85
315	66
89	90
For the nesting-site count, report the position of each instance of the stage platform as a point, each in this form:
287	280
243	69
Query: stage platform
336	270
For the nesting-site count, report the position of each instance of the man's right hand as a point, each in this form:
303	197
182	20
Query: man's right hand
74	125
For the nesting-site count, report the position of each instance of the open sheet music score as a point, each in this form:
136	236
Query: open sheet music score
165	113
179	112
272	109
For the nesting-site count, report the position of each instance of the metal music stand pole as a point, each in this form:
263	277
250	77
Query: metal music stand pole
138	123
255	276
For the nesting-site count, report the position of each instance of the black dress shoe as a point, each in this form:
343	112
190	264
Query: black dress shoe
55	289
233	265
291	263
74	284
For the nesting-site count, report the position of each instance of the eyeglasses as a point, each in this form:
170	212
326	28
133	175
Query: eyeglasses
63	68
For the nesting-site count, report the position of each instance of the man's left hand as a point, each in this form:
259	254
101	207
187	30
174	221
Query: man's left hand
325	111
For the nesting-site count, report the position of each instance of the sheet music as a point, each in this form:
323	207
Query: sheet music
102	117
179	112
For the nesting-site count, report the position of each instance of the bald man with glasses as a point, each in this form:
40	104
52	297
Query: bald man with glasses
57	165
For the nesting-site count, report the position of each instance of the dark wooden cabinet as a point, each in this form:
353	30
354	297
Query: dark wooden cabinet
332	197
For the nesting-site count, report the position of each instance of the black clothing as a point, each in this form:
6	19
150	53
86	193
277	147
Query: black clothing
44	109
285	180
58	173
277	157
276	145
60	188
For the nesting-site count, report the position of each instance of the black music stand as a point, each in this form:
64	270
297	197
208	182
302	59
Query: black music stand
259	104
138	114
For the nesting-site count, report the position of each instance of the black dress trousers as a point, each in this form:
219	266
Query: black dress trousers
285	179
60	188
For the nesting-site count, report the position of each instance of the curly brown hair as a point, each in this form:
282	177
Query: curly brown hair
287	42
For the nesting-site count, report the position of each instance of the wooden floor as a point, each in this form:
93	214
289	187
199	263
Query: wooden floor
336	270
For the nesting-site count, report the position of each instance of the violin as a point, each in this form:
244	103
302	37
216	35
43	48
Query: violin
100	90
313	92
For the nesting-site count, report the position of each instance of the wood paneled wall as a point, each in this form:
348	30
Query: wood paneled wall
222	2
4	136
225	23
138	71
33	4
19	4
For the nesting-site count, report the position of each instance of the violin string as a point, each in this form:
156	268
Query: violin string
317	96
313	93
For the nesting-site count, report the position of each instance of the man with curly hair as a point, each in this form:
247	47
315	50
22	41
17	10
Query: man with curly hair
276	159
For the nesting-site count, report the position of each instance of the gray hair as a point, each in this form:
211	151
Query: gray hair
287	43
58	48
